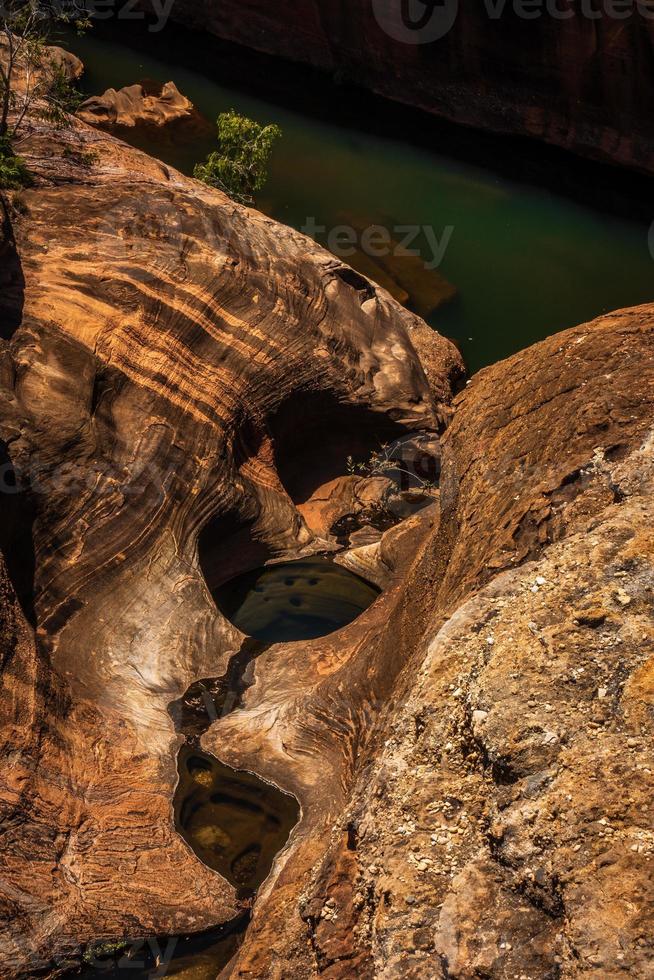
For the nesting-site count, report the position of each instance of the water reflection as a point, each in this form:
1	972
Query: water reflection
298	600
235	821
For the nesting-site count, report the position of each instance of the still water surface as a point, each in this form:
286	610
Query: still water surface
298	600
526	261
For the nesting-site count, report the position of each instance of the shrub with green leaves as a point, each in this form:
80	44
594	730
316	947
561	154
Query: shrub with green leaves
240	165
13	172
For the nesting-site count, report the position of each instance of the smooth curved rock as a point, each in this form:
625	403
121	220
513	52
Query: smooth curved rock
141	104
67	61
472	756
157	334
57	59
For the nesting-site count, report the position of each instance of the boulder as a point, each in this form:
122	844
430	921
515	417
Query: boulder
142	104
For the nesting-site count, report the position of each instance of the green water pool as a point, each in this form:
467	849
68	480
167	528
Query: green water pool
526	261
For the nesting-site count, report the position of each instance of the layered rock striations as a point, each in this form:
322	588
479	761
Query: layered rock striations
577	76
182	382
157	339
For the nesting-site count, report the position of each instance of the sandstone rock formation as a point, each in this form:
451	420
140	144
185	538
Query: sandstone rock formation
157	342
142	104
499	823
181	383
67	61
57	59
575	79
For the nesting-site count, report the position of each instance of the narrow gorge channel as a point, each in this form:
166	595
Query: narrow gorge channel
235	822
535	244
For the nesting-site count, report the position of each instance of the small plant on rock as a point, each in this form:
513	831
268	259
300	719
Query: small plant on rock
386	462
86	158
31	81
63	98
13	171
239	167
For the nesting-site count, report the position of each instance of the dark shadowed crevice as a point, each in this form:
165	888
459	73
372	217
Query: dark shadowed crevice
204	953
356	281
211	698
227	547
17	515
314	435
234	821
12	280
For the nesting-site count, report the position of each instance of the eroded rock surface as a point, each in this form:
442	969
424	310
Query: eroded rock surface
142	104
181	383
153	339
500	823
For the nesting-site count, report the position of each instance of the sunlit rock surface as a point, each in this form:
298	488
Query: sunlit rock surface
158	342
181	381
499	822
141	104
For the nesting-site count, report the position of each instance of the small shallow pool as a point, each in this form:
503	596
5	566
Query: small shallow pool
297	600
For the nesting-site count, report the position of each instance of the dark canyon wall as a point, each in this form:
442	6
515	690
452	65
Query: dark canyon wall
581	80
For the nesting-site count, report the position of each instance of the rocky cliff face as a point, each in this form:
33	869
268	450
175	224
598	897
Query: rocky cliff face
501	827
584	82
181	382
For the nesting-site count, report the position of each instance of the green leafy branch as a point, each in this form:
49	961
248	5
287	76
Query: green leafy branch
239	167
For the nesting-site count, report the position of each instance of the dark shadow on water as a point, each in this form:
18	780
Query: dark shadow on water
335	98
299	600
199	956
12	280
235	821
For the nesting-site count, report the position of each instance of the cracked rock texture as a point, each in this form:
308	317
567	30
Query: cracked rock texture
502	826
